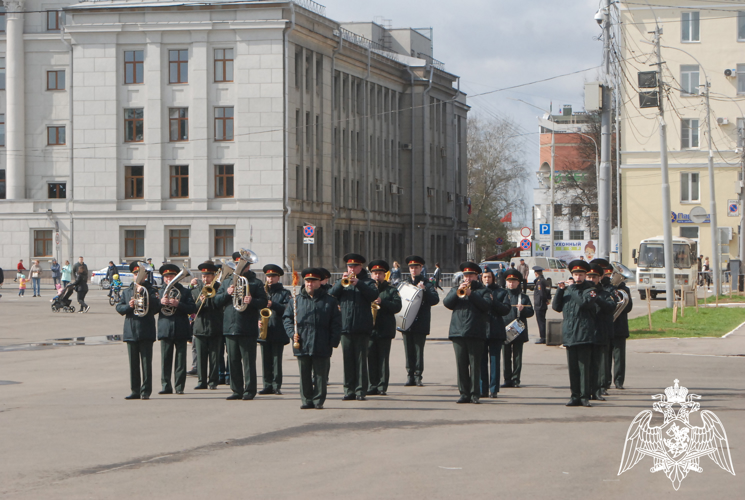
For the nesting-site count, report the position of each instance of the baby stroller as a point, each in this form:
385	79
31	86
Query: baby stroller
62	302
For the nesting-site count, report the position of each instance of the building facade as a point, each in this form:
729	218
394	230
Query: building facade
693	32
185	131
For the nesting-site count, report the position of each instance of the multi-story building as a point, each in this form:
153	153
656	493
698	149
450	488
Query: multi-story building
693	33
183	131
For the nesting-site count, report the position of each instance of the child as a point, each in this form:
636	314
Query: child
21	284
58	286
116	284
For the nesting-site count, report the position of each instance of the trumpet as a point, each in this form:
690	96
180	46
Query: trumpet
462	291
345	282
265	313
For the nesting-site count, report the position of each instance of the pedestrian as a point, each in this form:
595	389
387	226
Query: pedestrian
20	268
110	272
437	276
416	335
139	335
707	272
2	278
273	345
541	300
525	271
56	273
36	278
21	285
314	322
501	282
495	337
77	265
150	271
520	309
395	273
384	330
470	303
66	274
700	263
81	285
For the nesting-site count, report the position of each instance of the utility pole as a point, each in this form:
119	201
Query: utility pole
735	280
604	187
551	228
666	211
716	268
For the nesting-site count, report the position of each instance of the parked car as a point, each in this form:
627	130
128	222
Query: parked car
494	265
554	270
126	277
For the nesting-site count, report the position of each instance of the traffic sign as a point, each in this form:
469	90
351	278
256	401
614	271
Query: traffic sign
525	232
309	241
525	244
309	231
499	241
544	229
733	208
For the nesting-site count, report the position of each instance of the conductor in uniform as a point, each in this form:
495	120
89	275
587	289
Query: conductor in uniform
276	337
174	331
356	320
470	304
577	303
316	327
139	335
541	300
521	309
416	336
384	330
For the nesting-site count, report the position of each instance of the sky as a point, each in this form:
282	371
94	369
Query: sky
493	44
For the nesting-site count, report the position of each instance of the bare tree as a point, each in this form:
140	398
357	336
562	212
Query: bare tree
497	177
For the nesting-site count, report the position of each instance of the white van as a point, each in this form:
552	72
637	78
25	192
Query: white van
554	270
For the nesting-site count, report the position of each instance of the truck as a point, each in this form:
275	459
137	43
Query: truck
650	260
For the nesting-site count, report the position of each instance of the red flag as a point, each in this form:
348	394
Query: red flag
506	218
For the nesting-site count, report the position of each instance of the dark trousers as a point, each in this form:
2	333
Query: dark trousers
540	317
271	363
378	355
207	348
221	364
597	368
468	352
490	366
313	378
607	364
242	363
618	346
354	350
141	352
168	348
414	349
578	361
513	362
82	292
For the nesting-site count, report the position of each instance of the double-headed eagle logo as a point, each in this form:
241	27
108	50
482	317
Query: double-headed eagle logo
676	446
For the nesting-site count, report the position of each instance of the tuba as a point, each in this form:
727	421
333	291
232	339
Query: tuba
240	283
623	297
142	299
171	292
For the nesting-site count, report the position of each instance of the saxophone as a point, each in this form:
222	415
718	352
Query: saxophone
265	313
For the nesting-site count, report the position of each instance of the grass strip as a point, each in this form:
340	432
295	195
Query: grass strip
707	322
723	299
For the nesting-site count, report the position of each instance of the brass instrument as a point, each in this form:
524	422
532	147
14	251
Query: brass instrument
141	296
462	291
265	313
228	268
240	283
616	279
209	291
375	307
345	282
171	292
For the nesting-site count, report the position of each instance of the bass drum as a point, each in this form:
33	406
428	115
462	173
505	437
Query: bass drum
411	300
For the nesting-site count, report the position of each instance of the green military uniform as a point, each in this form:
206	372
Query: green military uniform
513	352
276	339
618	343
207	329
357	325
468	326
384	331
139	334
416	336
173	333
241	331
319	325
495	338
605	306
577	303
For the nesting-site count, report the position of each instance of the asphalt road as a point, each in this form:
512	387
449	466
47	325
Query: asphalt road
67	432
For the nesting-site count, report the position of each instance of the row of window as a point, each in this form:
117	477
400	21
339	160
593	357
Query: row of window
178	124
134	181
178	66
55	19
574	234
690	84
690	27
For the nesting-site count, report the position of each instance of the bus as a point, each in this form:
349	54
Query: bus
650	273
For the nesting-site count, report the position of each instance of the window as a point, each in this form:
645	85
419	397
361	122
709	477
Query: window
689	232
2	19
741	78
56	80
178	67
689	134
689	27
557	209
133	182
298	67
57	190
43	243
53	20
741	26
740	133
56	136
558	235
134	243
2	130
178	242
2	71
576	235
133	125
2	184
133	66
575	210
179	181
223	181
223	242
224	124
689	79
223	65
319	186
179	124
298	183
689	187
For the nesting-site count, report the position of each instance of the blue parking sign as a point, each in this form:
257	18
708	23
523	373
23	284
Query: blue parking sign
544	229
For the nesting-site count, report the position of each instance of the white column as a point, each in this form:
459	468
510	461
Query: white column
15	119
